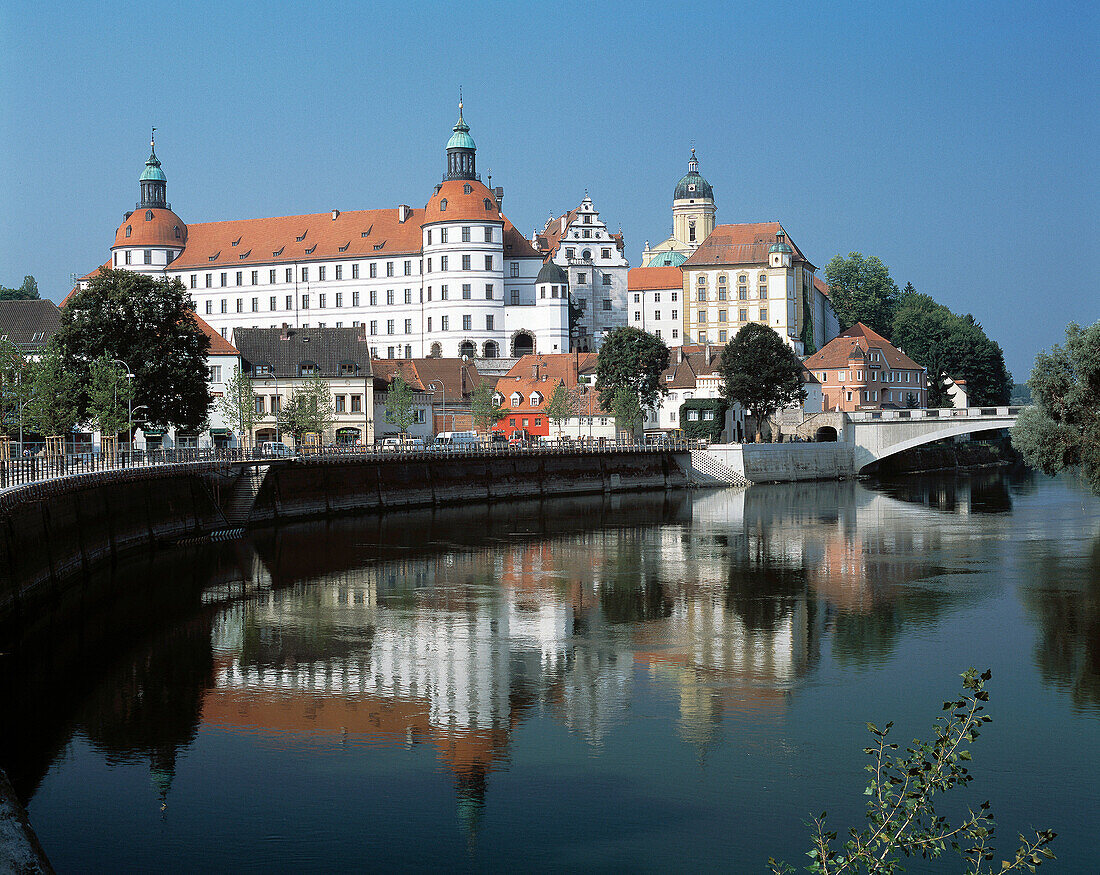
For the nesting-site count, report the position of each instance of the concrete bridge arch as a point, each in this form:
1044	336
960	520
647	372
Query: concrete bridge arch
876	435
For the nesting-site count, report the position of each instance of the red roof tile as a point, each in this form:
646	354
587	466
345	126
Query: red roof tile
856	342
645	278
740	244
218	344
154	227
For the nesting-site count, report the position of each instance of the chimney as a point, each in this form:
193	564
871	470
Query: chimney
335	215
362	331
285	334
498	193
535	369
563	218
403	213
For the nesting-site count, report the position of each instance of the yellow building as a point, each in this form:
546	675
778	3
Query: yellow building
693	212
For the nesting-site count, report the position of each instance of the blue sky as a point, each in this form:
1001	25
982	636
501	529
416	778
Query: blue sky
955	141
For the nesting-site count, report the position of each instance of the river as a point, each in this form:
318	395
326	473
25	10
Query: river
651	682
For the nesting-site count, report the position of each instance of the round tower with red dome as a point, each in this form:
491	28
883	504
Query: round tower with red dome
151	236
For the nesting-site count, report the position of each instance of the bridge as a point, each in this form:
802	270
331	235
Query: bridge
877	434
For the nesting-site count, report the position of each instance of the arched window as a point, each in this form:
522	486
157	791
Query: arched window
176	230
492	351
488	203
467	348
437	351
587	254
467	189
523	344
127	230
443	205
148	215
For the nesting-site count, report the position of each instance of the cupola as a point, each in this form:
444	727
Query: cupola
692	186
461	151
779	253
154	184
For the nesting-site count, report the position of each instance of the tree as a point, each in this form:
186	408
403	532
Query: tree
52	407
26	292
1062	430
760	372
13	386
953	346
901	814
310	409
147	323
626	409
862	290
238	405
483	407
559	408
109	393
399	404
631	359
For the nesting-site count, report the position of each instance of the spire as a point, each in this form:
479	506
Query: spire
693	163
461	149
153	182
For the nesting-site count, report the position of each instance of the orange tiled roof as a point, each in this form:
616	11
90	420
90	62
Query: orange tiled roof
105	266
856	342
645	278
550	238
545	385
387	369
821	285
740	244
153	227
218	344
563	366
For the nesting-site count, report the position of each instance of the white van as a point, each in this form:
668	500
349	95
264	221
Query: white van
275	448
456	438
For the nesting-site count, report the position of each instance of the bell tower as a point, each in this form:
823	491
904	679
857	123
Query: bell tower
154	184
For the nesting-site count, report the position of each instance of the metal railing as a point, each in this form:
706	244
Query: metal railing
933	413
42	467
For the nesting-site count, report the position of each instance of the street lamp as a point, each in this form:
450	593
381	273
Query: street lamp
130	410
438	385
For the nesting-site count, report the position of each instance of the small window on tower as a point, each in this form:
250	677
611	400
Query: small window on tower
148	215
488	205
443	205
176	230
467	189
127	230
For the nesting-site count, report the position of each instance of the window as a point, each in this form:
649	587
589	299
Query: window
408	268
443	293
444	323
466	293
722	335
657	315
467	322
389	326
240	305
764	314
721	294
339	299
442	235
127	233
605	253
223	307
489	322
637	316
675	297
488	234
515	268
209	278
429	324
289	275
305	274
261	369
675	314
258	402
675	333
721	315
702	316
514	296
356	403
339	272
489	292
341	403
389	352
307	368
354	271
374	326
389	297
743	314
570	252
373	269
355	299
465	228
194	277
607	303
582	278
374	297
305	302
702	337
637	299
209	307
214	373
389	268
443	259
271	302
408	326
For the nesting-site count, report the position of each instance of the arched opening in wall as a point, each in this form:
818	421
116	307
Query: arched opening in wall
826	434
491	350
265	434
523	343
467	348
436	351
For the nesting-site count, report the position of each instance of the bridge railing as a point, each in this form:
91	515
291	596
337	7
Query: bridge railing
934	413
35	468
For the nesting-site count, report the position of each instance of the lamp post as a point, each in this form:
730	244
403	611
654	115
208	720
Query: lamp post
438	385
130	410
133	413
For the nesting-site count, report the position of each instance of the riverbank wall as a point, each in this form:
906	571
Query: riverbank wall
787	463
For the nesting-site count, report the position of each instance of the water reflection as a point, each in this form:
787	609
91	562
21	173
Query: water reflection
447	630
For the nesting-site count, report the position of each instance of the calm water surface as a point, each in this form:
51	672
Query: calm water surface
649	682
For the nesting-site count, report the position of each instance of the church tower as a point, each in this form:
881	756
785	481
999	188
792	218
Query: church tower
154	184
693	208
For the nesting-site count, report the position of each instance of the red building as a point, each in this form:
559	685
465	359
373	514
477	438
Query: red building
862	370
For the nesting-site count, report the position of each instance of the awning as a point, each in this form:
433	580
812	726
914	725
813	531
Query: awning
221	432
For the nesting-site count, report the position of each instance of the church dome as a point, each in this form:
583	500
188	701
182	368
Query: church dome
553	274
462	200
780	247
668	259
692	185
461	138
151	227
152	171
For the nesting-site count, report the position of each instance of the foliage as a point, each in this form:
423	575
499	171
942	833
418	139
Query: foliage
626	410
52	406
238	405
631	359
13	386
911	400
862	290
310	409
399	404
760	372
1062	429
901	814
949	344
483	407
26	292
701	427
147	323
560	406
109	393
1020	396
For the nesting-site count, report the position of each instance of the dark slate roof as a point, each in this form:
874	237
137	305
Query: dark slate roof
286	348
29	324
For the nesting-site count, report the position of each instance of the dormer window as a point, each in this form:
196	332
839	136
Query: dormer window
498	399
536	399
443	205
278	252
517	399
467	189
488	204
148	215
301	236
348	369
176	232
261	369
307	368
128	229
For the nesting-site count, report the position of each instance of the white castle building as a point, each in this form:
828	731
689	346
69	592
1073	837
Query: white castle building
454	278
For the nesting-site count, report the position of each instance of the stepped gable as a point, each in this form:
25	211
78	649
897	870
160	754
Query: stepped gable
741	244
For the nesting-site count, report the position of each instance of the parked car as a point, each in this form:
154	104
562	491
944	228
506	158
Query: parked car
456	438
276	449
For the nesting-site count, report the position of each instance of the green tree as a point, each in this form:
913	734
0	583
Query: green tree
238	405
862	290
1062	428
559	408
14	386
901	813
399	404
631	359
626	409
483	407
109	394
952	345
26	292
52	407
147	323
760	372
310	409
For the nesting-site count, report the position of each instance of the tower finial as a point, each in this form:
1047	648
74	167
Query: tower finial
460	100
153	140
